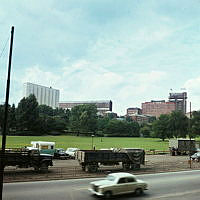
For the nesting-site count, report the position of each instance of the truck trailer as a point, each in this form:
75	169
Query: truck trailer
129	158
182	146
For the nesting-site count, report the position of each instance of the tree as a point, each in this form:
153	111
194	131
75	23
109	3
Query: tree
45	110
102	123
2	110
195	124
11	116
115	128
83	118
134	128
27	113
145	131
161	127
122	128
178	124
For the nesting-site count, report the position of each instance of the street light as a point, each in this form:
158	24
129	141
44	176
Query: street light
92	140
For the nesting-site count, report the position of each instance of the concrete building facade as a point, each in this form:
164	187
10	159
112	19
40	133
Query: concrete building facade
44	95
180	100
102	106
133	111
156	108
140	119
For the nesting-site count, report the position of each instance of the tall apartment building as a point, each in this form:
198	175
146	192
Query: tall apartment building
44	95
102	106
180	101
156	108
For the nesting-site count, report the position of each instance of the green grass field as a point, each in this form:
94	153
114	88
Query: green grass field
86	142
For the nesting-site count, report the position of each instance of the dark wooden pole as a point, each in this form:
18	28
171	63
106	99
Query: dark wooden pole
2	153
190	134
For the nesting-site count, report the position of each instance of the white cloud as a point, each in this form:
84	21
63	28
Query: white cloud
128	53
86	81
192	88
36	75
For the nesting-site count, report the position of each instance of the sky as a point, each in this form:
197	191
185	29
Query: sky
127	51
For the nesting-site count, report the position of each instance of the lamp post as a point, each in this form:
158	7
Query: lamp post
92	140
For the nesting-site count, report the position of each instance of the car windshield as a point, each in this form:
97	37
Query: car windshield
110	178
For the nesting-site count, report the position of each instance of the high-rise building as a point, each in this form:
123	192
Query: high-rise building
156	108
180	101
44	95
102	106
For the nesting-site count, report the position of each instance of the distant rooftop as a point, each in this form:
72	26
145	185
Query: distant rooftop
40	85
100	101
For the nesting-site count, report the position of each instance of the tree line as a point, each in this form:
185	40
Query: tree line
29	118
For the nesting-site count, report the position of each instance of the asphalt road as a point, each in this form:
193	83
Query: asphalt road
173	186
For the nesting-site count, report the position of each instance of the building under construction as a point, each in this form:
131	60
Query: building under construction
180	100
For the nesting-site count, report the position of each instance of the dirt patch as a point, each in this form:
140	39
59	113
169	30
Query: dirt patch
68	169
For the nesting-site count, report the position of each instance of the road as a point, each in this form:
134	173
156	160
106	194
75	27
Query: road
173	186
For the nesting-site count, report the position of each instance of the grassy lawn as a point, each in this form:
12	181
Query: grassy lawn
86	142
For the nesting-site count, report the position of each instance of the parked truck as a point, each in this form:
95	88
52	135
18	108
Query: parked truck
44	147
27	157
182	146
129	158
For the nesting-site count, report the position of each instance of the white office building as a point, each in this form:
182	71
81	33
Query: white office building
44	95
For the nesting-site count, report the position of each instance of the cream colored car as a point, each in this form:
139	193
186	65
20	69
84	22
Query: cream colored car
118	183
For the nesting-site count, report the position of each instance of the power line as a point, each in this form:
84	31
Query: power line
4	48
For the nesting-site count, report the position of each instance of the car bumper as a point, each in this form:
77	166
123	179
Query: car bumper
94	192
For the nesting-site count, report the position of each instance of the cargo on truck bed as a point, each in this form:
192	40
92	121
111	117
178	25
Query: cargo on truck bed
130	158
182	146
27	157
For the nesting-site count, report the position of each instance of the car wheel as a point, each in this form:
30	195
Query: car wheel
138	191
108	194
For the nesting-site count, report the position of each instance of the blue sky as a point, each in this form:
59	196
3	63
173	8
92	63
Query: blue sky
127	51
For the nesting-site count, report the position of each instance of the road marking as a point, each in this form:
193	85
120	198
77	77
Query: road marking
165	173
174	195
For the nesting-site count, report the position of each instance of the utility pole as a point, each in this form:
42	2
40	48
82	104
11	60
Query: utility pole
190	136
2	152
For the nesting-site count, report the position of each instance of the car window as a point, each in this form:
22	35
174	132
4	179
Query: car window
70	149
130	179
122	180
110	178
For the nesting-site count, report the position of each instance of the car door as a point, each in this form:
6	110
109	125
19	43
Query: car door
131	184
121	186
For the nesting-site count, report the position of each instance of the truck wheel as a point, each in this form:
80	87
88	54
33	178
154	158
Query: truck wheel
44	167
93	168
137	166
108	194
36	168
87	168
83	167
126	166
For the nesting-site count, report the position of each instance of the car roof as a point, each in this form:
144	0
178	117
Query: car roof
122	174
71	148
